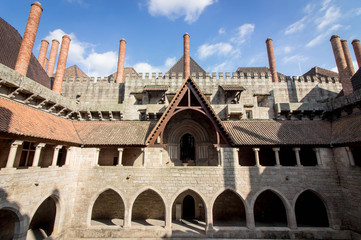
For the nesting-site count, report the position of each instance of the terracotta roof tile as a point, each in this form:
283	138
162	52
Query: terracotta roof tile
347	129
232	88
156	88
74	71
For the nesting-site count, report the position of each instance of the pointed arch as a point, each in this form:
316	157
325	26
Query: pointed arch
11	223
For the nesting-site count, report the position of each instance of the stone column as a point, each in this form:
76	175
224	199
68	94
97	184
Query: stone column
12	153
27	44
357	49
236	157
52	57
56	154
256	156
277	156
271	60
186	56
250	218
209	219
37	153
349	62
350	156
120	157
318	156
143	157
121	59
168	217
297	153
220	156
60	70
127	217
69	151
96	160
42	52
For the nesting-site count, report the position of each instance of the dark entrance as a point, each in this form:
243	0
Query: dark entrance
187	148
188	207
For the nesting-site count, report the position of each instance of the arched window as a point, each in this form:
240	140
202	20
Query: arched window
187	148
8	224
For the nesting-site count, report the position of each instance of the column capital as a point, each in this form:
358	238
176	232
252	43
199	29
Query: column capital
40	145
16	143
296	149
120	149
316	150
276	149
57	147
255	149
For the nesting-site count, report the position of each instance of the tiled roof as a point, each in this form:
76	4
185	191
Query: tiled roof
74	71
232	88
10	41
269	132
178	67
256	70
156	88
127	70
356	80
16	118
320	72
114	133
347	129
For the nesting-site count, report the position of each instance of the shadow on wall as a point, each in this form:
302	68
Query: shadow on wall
318	94
13	225
121	93
5	119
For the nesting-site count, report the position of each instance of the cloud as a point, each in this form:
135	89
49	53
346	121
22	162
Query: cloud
323	36
243	32
173	9
169	62
325	4
295	58
221	31
207	50
332	15
144	67
295	27
84	55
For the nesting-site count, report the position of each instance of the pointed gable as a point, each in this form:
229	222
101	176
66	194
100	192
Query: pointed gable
189	97
178	67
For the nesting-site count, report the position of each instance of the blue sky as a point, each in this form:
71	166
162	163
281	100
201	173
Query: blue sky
224	34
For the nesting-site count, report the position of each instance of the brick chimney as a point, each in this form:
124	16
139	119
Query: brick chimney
42	52
357	49
271	60
27	44
186	56
121	58
346	51
341	63
60	69
45	62
52	57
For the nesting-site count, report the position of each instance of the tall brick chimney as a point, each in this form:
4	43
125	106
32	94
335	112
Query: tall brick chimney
42	52
121	58
186	56
52	57
45	62
60	69
341	63
271	60
27	44
357	49
346	51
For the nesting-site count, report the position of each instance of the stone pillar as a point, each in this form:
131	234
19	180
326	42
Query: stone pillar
168	217
52	57
318	156
256	156
121	59
127	217
42	52
37	153
341	65
357	49
209	219
60	69
96	157
271	60
56	154
250	218
220	156
143	157
69	151
27	44
350	156
236	157
12	153
120	157
297	153
277	156
186	56
346	51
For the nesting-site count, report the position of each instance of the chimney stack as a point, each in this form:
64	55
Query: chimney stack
271	60
341	63
42	52
63	55
27	44
357	49
121	58
52	57
346	51
45	62
186	56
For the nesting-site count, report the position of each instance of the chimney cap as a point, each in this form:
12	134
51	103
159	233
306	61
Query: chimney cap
268	39
37	4
45	40
355	40
334	36
66	36
123	40
55	40
186	34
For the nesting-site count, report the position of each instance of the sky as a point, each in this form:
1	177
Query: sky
224	34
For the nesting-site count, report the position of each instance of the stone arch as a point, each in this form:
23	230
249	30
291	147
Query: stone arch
228	209
311	210
270	208
148	208
188	126
108	208
12	223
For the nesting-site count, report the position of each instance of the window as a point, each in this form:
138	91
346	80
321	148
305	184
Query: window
27	155
187	147
249	114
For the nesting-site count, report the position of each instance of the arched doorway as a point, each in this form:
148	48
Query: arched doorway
228	210
310	211
9	224
108	209
42	223
188	211
269	210
187	148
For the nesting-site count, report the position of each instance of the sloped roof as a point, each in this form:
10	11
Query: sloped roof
347	129
270	132
356	80
320	72
127	70
10	41
256	70
74	71
178	67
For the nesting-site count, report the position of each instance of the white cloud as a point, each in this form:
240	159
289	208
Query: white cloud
325	4
295	58
144	67
332	15
169	62
323	36
295	27
243	32
174	9
221	31
207	50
